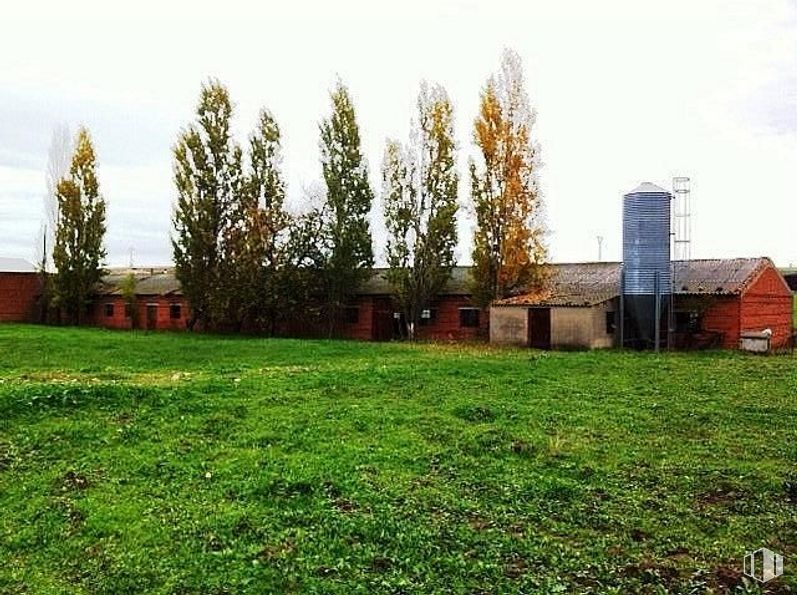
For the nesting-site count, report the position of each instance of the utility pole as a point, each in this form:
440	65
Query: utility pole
600	248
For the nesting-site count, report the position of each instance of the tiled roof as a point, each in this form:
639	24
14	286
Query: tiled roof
590	283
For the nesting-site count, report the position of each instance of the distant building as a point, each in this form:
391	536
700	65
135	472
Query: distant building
451	316
159	301
371	315
790	275
715	301
20	287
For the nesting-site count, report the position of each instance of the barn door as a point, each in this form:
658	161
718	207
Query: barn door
152	316
382	327
540	328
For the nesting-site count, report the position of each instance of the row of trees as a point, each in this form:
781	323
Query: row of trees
246	261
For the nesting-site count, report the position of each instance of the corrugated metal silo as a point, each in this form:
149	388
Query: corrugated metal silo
646	258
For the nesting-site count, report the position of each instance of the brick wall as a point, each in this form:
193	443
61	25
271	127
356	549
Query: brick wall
375	321
767	303
445	326
18	295
722	315
159	306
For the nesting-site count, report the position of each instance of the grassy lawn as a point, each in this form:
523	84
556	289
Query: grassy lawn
160	463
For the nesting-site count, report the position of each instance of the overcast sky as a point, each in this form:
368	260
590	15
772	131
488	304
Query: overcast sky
626	91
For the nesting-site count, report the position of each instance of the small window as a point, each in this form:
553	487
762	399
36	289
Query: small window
108	310
687	322
611	325
428	316
469	317
175	311
128	311
351	314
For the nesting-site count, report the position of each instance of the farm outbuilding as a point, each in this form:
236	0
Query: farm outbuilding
715	301
20	287
576	309
159	302
372	314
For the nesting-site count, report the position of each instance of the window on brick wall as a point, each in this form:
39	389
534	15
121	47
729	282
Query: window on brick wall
108	310
428	316
175	311
128	311
469	317
351	314
687	322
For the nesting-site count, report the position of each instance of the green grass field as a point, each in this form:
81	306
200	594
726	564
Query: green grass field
163	463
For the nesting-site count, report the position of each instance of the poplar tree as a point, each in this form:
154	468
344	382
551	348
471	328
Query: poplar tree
420	206
349	198
208	177
79	252
509	251
267	228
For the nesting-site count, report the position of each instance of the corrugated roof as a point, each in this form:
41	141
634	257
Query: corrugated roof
716	275
573	284
569	284
164	282
591	283
16	265
159	283
379	285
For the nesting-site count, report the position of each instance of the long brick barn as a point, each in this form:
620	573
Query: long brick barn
715	302
371	315
159	302
20	286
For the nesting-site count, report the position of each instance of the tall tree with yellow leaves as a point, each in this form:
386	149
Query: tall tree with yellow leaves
79	250
509	250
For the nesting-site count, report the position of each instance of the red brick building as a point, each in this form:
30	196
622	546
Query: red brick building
715	301
373	316
159	302
20	287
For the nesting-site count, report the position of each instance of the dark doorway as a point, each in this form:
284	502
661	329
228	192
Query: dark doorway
382	328
540	328
152	316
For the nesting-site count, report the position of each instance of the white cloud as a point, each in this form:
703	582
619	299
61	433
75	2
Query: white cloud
625	91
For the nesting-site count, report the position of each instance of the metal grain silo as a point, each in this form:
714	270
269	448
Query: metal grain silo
646	261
